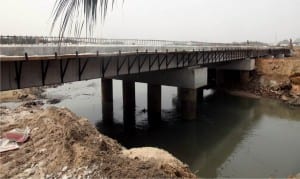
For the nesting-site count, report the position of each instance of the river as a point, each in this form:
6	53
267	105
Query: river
232	136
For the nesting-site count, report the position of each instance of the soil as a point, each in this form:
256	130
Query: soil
275	78
63	145
21	94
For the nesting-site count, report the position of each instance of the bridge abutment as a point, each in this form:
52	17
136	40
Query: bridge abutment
154	103
128	88
107	100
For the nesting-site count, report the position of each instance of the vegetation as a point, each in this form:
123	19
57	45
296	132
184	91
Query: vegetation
74	16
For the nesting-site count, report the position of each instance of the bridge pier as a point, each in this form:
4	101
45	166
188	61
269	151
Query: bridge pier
107	100
220	79
154	103
128	104
199	94
188	103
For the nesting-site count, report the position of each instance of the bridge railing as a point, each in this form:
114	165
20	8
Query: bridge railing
30	40
65	41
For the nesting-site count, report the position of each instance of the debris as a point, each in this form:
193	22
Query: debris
17	135
64	169
7	145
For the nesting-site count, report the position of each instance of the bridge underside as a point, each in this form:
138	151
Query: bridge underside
187	70
23	72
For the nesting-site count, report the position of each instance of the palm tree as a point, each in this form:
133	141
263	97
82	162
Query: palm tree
72	16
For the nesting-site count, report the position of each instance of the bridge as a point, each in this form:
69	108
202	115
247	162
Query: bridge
39	61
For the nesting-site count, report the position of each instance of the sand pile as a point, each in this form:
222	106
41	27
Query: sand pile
64	145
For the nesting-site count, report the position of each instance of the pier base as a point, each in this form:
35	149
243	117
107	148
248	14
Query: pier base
154	104
107	100
129	104
188	103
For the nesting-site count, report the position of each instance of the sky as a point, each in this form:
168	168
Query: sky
192	20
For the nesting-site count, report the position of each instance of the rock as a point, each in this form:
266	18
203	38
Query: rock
295	90
64	169
284	98
295	78
274	85
53	101
32	104
30	171
65	177
294	102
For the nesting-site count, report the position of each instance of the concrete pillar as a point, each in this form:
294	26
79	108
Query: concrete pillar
188	103
107	100
199	94
129	104
154	103
220	79
244	77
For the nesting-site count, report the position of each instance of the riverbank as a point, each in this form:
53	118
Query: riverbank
274	78
63	145
22	95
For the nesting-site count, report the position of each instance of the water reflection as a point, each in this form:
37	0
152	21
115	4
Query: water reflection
204	144
221	142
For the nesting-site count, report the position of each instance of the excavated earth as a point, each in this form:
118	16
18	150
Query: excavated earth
276	78
63	145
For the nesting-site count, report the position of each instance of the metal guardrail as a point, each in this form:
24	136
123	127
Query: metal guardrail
44	40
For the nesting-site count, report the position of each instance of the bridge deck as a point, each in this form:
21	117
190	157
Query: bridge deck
28	71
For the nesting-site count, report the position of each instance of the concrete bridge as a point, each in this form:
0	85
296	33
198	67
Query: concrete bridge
184	65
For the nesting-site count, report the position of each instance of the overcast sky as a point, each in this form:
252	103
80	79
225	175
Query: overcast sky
198	20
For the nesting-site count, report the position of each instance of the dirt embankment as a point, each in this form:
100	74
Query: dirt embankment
62	145
21	94
277	78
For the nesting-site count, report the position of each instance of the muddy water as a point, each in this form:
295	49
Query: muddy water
232	137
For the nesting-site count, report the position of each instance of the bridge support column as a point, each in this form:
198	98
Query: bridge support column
244	77
154	103
199	94
220	80
107	100
188	103
129	104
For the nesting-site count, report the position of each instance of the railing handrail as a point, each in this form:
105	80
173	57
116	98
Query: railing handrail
12	39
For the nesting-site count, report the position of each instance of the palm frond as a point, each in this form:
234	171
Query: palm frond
72	16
